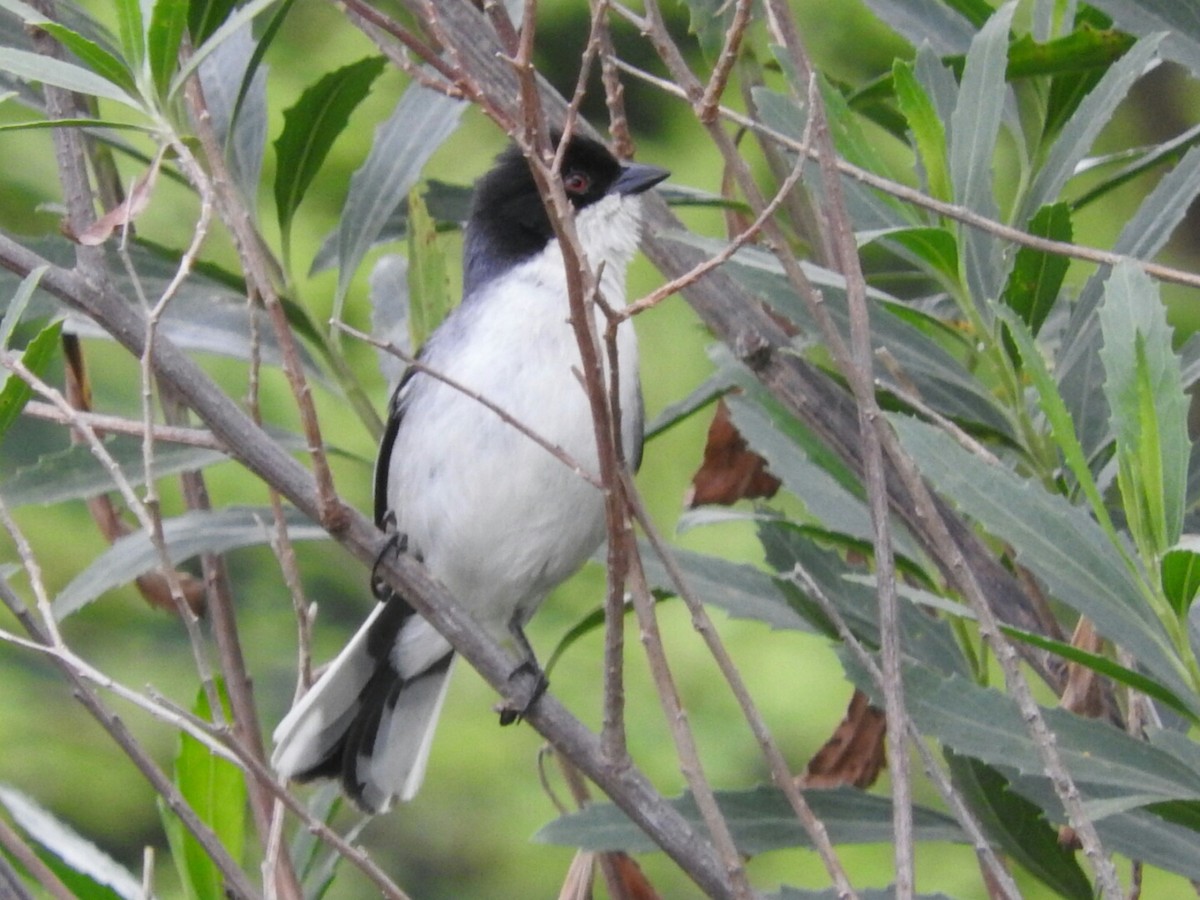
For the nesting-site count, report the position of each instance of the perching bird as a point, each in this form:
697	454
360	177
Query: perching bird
497	518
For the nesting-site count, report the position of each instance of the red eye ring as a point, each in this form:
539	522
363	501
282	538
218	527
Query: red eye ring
576	182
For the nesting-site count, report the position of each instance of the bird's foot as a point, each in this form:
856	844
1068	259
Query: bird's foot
396	543
528	682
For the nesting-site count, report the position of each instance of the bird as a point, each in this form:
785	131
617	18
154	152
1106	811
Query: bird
495	516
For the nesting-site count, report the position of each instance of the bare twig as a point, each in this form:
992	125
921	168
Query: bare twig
191	437
11	842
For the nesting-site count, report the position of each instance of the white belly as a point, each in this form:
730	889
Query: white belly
496	517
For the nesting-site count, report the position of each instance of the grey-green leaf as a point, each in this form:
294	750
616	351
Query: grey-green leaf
77	852
1149	409
760	819
1058	542
47	70
1178	19
185	536
417	127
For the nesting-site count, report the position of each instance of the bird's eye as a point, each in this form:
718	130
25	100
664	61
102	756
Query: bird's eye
576	182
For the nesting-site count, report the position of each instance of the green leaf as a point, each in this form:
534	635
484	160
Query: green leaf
1036	276
185	536
37	356
132	31
929	134
934	249
215	789
206	16
1017	827
1104	666
429	299
47	70
1149	409
1180	572
1055	540
168	22
417	127
92	55
97	875
760	819
1175	19
1062	428
309	129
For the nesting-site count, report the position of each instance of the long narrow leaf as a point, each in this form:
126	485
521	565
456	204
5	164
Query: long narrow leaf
1055	540
47	70
1149	408
311	126
15	393
417	127
185	536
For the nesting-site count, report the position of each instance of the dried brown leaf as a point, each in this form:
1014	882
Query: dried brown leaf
731	471
854	753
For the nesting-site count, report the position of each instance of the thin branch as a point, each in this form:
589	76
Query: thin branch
983	848
101	424
924	201
235	879
11	842
508	418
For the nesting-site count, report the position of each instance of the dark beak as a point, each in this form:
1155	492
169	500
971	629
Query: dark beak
636	179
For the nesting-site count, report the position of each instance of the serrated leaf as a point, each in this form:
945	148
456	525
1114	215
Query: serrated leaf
47	70
185	536
1036	276
760	819
15	393
1018	827
216	791
1055	540
929	134
417	127
1080	379
429	300
1081	130
986	724
76	852
1149	409
311	126
168	22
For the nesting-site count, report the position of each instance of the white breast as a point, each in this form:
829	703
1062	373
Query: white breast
498	519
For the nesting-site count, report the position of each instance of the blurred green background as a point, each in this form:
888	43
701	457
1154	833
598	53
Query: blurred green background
468	832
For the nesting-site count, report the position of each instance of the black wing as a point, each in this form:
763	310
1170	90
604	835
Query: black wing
383	462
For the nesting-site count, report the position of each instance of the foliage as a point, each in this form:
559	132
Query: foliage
1035	385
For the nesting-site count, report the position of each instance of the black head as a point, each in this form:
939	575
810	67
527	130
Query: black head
509	223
